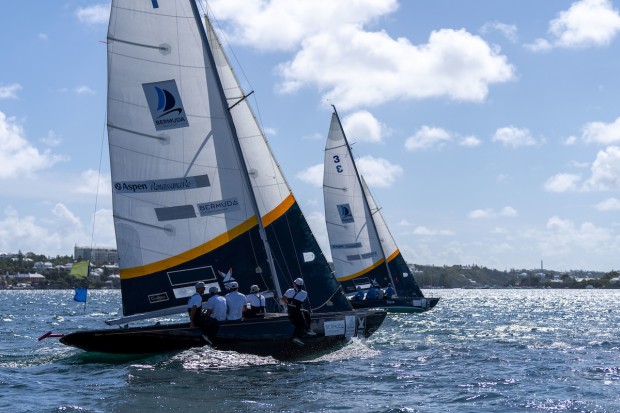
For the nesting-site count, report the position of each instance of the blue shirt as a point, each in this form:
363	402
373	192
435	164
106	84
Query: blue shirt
371	294
359	295
389	292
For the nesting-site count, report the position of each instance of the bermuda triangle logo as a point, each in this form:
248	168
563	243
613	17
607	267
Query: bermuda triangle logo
346	216
165	104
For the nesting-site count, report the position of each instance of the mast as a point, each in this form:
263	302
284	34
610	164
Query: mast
244	169
374	227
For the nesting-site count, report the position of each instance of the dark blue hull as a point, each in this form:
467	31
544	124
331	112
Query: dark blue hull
268	336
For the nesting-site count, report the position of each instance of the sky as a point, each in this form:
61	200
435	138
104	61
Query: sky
488	131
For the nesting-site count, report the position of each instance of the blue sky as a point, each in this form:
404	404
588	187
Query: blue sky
488	131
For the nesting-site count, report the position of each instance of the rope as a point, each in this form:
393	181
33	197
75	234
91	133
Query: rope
326	301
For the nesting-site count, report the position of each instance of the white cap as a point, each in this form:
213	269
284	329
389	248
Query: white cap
213	289
200	284
233	285
254	289
298	281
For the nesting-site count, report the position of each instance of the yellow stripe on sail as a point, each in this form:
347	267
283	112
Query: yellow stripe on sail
190	254
394	255
278	211
364	271
216	242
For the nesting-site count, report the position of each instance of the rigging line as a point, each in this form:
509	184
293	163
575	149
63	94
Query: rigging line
339	289
256	258
92	234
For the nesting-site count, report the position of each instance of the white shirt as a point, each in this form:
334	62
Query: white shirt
217	305
194	300
256	300
236	302
300	295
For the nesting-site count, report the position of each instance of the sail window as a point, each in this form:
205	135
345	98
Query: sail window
176	212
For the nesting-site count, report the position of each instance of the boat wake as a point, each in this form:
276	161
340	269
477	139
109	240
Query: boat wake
356	348
208	358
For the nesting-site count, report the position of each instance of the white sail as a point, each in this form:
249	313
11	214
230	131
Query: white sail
170	192
273	195
390	249
353	239
362	247
192	171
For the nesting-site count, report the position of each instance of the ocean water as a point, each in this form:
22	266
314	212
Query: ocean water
477	351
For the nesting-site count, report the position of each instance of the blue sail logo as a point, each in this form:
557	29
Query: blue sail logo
346	216
165	104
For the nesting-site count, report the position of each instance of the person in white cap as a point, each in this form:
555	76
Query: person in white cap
194	306
237	302
256	302
216	305
294	298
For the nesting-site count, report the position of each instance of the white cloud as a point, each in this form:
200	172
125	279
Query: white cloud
59	232
605	171
378	172
10	91
506	212
508	30
571	140
562	237
585	23
312	175
604	175
52	139
316	136
539	45
514	137
334	52
603	133
562	183
17	156
453	64
470	141
42	36
88	183
252	21
83	90
362	126
428	137
421	230
610	204
97	14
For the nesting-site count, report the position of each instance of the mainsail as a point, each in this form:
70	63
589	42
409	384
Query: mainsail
362	247
197	194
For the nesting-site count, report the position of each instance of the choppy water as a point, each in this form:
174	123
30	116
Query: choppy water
477	351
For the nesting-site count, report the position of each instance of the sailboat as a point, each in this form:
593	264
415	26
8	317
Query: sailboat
199	197
363	250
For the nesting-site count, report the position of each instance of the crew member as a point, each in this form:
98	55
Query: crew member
294	298
194	306
256	303
237	303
